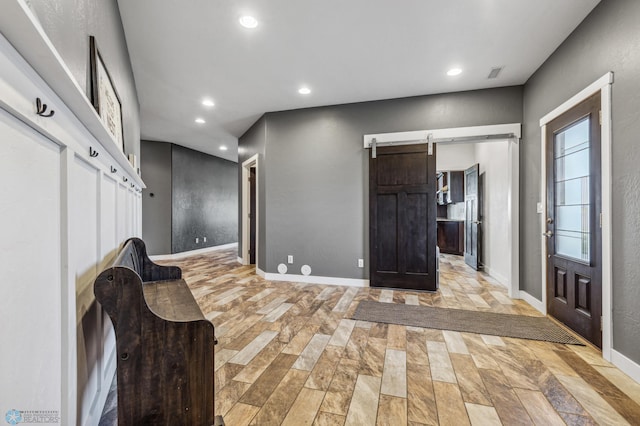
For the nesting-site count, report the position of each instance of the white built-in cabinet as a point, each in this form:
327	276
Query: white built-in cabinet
63	216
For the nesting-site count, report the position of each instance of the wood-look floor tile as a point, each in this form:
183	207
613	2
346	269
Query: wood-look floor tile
451	409
264	386
592	401
309	356
277	312
264	293
455	342
252	349
328	419
277	406
241	414
539	408
304	408
394	375
357	343
386	296
493	340
625	383
440	363
322	373
469	380
273	304
482	415
345	300
301	339
222	356
260	362
338	396
373	357
421	401
504	399
365	396
397	337
412	299
343	332
392	411
229	395
479	301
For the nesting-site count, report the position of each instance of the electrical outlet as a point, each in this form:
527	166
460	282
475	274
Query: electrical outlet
204	239
197	240
290	259
360	263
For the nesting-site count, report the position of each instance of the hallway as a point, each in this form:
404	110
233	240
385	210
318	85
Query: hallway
289	354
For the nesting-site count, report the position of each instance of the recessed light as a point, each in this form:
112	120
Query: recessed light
200	120
454	71
248	21
223	148
304	90
208	102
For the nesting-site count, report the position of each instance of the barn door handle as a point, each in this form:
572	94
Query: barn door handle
548	234
477	222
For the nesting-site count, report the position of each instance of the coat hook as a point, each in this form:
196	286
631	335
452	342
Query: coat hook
93	152
42	108
133	185
124	178
113	169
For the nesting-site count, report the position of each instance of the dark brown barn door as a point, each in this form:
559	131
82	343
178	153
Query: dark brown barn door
402	187
574	258
252	214
472	223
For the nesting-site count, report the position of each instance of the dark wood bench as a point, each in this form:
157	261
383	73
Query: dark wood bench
164	343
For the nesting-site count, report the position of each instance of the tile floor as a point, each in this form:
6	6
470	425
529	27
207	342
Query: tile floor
289	354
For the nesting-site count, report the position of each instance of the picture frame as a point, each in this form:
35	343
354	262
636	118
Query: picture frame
104	95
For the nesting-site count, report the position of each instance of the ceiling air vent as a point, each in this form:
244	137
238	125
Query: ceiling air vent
495	72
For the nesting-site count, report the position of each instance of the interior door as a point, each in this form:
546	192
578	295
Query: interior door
472	222
252	215
574	258
402	238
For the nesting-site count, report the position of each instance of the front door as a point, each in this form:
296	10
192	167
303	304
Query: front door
472	223
402	217
574	274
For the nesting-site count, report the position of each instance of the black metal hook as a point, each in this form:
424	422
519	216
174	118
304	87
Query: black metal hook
124	178
93	152
113	169
133	185
42	108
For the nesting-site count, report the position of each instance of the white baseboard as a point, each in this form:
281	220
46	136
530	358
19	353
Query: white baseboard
312	279
501	279
260	272
100	398
240	260
537	304
191	252
628	366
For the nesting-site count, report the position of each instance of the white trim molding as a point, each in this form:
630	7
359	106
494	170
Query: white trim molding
602	85
246	204
192	252
535	303
629	367
312	279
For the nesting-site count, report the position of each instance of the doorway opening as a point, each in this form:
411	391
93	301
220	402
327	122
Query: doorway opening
510	135
250	211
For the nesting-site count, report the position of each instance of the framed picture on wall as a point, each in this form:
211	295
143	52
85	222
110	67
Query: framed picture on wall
104	97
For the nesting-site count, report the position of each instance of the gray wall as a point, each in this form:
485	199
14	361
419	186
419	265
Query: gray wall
316	171
205	200
156	211
69	23
607	40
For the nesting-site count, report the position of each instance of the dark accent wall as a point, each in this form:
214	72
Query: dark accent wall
195	196
69	23
156	209
315	171
205	200
607	40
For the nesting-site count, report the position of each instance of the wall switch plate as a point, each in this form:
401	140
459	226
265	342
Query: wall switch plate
360	263
290	259
539	207
197	240
204	239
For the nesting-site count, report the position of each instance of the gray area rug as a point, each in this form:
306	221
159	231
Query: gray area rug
506	325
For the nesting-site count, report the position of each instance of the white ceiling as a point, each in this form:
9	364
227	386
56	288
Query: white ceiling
344	50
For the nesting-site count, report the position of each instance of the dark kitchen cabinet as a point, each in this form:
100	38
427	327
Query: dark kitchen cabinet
451	236
450	187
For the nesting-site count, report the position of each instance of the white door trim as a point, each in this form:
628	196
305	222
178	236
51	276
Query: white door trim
602	85
245	221
510	132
